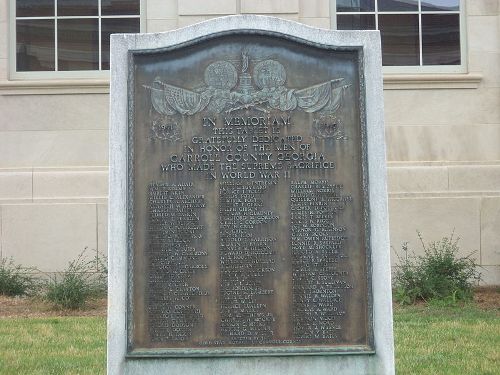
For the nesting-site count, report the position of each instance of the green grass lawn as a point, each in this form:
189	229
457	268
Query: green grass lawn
428	341
62	345
447	340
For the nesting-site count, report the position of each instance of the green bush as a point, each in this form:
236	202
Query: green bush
437	276
16	280
82	280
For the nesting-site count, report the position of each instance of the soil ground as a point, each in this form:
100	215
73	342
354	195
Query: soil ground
487	298
35	307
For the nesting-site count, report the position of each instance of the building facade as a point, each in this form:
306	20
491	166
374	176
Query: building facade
442	115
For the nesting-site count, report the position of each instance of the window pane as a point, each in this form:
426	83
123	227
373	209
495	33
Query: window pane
34	8
119	7
78	44
398	5
77	8
440	5
35	45
399	33
113	26
355	5
441	39
356	22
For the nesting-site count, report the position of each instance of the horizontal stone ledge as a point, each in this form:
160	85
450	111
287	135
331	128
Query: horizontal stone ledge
101	86
51	201
54	87
432	81
439	163
443	194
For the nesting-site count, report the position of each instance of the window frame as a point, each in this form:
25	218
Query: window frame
68	74
419	69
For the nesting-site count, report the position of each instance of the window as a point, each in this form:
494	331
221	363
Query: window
415	33
69	35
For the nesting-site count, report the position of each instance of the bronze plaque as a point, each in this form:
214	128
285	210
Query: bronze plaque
248	227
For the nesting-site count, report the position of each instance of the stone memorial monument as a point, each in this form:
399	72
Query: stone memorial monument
248	208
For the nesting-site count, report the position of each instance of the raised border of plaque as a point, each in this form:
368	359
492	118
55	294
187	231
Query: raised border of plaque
378	355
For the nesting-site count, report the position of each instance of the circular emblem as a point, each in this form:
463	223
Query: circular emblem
329	127
166	129
221	75
269	73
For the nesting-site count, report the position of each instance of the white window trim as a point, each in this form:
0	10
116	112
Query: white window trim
423	69
60	75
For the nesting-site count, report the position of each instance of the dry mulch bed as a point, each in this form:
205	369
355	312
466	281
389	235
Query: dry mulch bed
487	298
16	307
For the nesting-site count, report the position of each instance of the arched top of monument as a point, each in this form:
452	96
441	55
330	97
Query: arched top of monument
249	25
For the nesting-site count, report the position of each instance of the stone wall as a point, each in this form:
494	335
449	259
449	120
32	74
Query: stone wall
443	136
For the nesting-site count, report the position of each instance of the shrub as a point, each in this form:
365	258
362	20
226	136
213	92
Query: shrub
437	275
16	280
82	280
